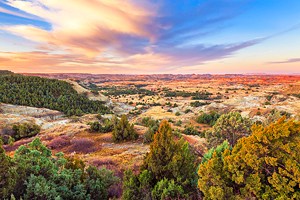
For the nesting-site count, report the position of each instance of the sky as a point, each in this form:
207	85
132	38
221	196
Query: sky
150	37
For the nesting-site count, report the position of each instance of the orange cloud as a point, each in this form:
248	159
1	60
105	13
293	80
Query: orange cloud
85	27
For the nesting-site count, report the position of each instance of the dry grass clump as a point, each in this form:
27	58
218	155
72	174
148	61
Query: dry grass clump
76	145
103	161
82	145
59	142
106	137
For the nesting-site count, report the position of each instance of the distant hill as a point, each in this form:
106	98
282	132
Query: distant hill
46	93
5	72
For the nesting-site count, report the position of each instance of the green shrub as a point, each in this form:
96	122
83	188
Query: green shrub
178	123
171	159
168	171
123	130
190	130
105	128
208	118
34	173
167	189
187	111
152	128
230	127
198	103
25	130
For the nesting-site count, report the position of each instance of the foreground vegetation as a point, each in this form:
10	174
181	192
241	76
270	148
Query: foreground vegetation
260	163
265	165
34	173
46	93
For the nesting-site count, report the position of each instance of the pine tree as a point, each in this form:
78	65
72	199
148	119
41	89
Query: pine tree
123	130
170	159
230	127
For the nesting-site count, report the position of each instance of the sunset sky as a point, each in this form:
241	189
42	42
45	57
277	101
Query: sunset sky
154	36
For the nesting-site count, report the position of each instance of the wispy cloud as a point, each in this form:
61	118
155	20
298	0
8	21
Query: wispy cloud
15	13
291	60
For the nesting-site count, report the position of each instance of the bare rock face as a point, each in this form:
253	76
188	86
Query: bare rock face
122	108
11	114
90	95
30	111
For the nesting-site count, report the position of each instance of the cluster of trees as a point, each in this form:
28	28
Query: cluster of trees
99	128
34	173
47	93
168	171
198	103
275	115
23	130
170	104
178	94
103	125
117	91
208	118
264	165
123	130
202	95
296	95
19	131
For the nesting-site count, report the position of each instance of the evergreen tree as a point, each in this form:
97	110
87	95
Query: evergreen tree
171	159
230	127
168	171
264	165
123	130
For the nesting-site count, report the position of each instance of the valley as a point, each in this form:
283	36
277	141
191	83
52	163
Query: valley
176	99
